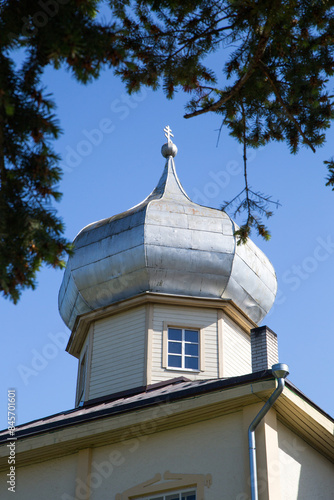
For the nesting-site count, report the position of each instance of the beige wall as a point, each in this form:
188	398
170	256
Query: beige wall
215	447
45	481
118	357
237	356
305	473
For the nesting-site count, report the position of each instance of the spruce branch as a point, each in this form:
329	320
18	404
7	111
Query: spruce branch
228	95
255	204
330	177
274	85
281	59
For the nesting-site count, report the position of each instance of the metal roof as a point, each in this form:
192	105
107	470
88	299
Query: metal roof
168	391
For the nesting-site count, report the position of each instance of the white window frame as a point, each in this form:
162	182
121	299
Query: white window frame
166	484
182	344
201	353
163	496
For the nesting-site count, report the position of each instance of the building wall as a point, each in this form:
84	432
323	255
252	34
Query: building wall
118	353
237	356
305	473
47	480
185	317
215	447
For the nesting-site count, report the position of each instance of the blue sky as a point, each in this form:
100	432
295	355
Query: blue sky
111	159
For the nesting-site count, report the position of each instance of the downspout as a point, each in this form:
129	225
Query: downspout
280	372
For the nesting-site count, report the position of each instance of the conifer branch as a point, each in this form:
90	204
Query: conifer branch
252	202
147	43
273	84
226	96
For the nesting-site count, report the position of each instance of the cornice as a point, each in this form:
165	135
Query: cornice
84	321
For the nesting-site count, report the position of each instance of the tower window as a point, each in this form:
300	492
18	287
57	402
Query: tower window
183	349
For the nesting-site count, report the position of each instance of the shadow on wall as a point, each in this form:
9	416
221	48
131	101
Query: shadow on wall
307	474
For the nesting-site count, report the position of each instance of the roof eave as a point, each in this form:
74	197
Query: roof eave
101	424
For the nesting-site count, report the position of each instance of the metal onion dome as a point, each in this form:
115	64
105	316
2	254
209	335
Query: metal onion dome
166	244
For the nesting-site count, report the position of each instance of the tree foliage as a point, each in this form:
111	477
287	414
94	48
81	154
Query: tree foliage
271	84
60	33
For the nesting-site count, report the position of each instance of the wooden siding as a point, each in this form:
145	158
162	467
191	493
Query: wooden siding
118	356
183	317
84	351
237	358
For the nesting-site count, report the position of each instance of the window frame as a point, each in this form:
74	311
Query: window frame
200	329
163	495
167	483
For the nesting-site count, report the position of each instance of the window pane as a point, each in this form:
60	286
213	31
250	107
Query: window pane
174	334
157	498
191	363
175	347
191	349
175	496
175	361
191	495
191	335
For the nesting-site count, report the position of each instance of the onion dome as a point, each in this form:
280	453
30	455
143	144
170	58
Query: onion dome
166	244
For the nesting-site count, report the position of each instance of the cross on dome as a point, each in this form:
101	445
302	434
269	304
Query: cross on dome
168	133
168	149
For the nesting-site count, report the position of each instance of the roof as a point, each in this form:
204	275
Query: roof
179	402
157	394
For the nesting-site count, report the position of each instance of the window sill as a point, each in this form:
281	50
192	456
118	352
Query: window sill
188	370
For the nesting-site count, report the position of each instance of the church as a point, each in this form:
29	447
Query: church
180	393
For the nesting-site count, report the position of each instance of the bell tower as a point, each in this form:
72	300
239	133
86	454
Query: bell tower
162	291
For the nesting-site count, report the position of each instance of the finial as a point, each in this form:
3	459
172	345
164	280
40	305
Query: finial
168	149
168	133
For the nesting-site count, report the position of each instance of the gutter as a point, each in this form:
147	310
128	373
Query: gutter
280	372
